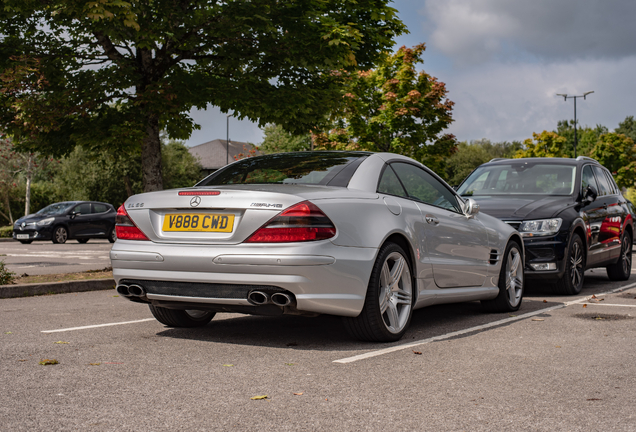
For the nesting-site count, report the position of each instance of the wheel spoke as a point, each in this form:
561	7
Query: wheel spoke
396	273
392	315
402	297
384	302
385	275
515	263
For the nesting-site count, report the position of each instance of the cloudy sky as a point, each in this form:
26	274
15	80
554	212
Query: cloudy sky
504	61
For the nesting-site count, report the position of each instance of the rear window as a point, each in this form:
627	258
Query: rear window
307	168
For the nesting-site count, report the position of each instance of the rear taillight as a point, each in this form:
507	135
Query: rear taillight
126	228
301	222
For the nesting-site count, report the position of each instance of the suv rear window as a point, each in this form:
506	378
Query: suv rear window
307	168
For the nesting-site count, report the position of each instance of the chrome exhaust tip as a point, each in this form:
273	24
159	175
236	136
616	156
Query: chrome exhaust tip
123	290
136	291
281	299
258	298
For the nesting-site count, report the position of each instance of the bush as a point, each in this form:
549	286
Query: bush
6	231
6	277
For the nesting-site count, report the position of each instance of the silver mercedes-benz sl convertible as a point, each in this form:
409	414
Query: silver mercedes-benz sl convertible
367	236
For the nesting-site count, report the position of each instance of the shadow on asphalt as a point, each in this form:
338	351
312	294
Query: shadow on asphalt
327	333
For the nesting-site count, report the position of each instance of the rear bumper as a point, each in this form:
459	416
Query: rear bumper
324	278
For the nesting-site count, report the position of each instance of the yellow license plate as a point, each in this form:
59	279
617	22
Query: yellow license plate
199	222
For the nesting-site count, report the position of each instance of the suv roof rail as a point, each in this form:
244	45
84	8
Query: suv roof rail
580	158
497	159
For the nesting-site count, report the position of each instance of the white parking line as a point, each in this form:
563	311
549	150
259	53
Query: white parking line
608	304
96	325
389	350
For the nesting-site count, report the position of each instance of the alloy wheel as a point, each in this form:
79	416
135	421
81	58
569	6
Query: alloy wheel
627	256
576	265
514	277
61	235
396	292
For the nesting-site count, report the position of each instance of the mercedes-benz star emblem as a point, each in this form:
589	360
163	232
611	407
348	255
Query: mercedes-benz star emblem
195	201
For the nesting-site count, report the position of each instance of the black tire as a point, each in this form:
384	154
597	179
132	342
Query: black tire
82	241
571	283
395	297
181	318
25	241
622	269
60	235
112	235
511	282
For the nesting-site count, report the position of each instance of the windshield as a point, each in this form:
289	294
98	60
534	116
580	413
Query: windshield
307	168
521	178
56	209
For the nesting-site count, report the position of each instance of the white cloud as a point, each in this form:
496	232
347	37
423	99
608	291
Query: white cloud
475	31
505	101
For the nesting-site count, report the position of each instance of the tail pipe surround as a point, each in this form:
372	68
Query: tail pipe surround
131	290
281	299
258	297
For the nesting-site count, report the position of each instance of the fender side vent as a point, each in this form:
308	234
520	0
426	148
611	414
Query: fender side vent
494	257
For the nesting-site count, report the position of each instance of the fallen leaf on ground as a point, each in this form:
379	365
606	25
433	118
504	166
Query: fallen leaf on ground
299	394
60	342
593	296
259	397
584	305
228	365
49	362
94	364
22	360
545	301
290	364
557	346
599	318
538	319
417	352
112	363
8	332
115	296
512	315
593	399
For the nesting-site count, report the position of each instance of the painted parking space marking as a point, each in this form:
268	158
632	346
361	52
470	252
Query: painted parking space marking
609	304
450	335
97	325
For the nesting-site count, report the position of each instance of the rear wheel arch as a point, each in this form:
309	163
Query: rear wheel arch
405	244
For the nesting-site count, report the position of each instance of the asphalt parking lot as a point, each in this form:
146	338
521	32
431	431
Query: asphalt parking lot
560	363
45	257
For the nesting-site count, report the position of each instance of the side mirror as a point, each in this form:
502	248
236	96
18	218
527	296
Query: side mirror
73	214
589	195
471	208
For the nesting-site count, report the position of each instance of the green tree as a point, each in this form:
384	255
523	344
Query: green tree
470	156
627	127
113	74
586	137
617	153
545	144
393	108
278	140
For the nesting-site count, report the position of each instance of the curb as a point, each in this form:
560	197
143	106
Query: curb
26	290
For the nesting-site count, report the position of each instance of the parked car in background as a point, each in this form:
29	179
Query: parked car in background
366	236
59	222
570	212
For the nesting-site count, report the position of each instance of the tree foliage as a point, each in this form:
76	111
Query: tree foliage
394	108
278	140
586	137
617	153
470	156
113	74
627	127
545	144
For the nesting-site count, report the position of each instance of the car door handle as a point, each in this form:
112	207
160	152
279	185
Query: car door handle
431	219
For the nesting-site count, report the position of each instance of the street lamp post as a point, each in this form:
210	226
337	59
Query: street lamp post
227	139
565	98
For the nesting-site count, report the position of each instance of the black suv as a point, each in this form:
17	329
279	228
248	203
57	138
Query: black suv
80	220
570	213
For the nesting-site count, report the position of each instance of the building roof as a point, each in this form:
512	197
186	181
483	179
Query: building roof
214	154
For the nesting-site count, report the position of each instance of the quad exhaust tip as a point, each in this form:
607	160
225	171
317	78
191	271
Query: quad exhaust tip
281	299
258	298
130	290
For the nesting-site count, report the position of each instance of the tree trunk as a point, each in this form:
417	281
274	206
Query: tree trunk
129	190
29	174
151	156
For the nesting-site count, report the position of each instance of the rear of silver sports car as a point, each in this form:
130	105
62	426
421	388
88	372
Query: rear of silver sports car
230	249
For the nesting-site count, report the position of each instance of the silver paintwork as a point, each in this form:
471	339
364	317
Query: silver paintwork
450	250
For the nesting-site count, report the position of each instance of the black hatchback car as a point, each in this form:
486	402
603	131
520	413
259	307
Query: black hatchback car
570	213
80	220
